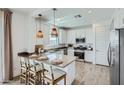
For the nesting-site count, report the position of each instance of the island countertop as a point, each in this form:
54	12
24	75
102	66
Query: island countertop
66	59
68	66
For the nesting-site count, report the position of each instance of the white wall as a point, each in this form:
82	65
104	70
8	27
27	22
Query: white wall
19	37
32	34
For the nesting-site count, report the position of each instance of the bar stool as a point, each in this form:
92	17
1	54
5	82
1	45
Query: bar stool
53	75
24	69
35	73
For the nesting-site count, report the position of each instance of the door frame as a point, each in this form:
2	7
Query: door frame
95	41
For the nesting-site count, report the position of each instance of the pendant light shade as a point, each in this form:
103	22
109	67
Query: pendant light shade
39	34
54	30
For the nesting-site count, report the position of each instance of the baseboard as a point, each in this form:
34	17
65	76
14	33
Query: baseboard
81	60
102	65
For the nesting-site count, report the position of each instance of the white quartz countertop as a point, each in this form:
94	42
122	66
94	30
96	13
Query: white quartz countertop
66	59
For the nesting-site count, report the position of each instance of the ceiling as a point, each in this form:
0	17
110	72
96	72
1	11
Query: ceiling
65	16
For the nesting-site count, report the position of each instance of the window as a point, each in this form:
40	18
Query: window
53	40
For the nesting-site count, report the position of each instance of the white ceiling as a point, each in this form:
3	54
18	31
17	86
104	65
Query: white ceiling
65	16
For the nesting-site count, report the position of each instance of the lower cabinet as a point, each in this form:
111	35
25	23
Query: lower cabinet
89	56
71	52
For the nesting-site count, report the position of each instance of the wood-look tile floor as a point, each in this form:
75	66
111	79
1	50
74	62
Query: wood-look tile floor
90	74
86	74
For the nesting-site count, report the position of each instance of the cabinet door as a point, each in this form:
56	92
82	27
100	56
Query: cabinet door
121	16
71	37
117	18
89	35
89	56
80	33
71	52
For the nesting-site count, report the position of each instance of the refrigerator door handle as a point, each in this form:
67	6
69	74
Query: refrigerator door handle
108	54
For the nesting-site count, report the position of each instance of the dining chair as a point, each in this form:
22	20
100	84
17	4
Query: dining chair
53	75
24	69
35	73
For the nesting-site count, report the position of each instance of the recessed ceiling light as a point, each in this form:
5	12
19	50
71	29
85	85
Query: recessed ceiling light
90	11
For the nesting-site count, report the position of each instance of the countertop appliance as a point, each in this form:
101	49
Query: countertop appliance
116	57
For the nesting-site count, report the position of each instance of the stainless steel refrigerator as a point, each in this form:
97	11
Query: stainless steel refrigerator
116	56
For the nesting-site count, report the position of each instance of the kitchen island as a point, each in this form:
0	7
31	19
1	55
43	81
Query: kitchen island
68	65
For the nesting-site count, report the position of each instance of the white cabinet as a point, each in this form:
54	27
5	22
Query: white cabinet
116	19
62	36
70	73
71	37
89	56
80	33
89	36
71	52
119	18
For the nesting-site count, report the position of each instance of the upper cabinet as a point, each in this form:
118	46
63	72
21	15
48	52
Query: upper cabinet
116	19
85	32
119	18
62	36
80	33
89	35
71	37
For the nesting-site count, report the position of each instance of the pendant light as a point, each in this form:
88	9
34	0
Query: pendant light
39	34
54	30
